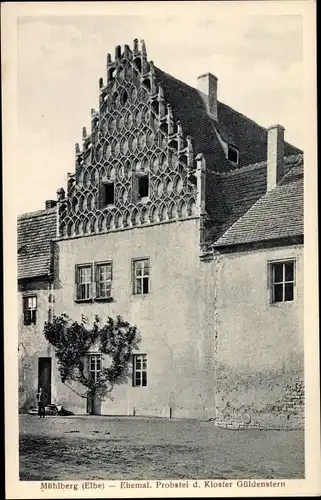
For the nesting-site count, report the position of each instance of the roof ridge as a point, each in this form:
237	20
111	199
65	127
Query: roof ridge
252	166
245	168
177	79
252	121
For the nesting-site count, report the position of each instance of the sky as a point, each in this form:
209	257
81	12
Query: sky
257	60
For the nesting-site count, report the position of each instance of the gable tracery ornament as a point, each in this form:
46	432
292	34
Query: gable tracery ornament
134	133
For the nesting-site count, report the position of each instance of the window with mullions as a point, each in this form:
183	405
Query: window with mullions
94	367
140	370
103	280
30	310
84	282
141	275
282	276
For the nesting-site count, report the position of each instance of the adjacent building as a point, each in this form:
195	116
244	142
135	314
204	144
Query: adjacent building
186	218
36	264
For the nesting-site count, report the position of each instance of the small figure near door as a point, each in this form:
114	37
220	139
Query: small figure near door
41	402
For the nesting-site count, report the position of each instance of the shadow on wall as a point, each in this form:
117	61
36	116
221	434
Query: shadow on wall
56	252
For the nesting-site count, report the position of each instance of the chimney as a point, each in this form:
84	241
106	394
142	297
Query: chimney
207	86
50	204
275	154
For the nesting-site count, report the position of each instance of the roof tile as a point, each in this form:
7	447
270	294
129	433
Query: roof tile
277	214
36	230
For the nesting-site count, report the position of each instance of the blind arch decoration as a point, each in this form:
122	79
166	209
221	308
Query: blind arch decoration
133	134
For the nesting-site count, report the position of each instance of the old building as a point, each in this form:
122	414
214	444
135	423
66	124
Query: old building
36	232
186	218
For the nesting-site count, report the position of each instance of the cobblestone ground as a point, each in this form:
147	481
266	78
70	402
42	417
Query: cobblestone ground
75	448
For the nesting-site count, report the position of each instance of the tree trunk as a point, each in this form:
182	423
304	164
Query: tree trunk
91	402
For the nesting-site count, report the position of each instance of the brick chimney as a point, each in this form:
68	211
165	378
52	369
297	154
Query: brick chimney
207	87
275	155
50	204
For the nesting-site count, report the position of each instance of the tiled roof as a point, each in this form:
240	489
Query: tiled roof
189	109
234	127
256	215
242	132
35	233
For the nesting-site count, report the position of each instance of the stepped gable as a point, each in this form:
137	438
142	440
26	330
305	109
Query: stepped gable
133	134
36	230
150	125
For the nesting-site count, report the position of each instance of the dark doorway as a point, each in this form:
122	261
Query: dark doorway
93	404
44	378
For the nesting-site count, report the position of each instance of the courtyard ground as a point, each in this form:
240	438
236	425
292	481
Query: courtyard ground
97	447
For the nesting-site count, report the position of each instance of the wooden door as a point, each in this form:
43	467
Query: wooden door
44	378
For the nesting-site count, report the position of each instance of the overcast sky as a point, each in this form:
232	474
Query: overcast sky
257	59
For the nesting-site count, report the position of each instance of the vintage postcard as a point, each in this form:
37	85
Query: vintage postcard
160	228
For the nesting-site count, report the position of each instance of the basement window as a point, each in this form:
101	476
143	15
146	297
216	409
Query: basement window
143	186
108	195
233	154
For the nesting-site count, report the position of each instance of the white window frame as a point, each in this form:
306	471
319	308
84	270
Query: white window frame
140	370
139	279
272	283
78	269
93	286
29	306
108	282
95	371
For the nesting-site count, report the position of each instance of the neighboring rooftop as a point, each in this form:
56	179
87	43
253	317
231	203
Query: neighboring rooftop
36	230
257	215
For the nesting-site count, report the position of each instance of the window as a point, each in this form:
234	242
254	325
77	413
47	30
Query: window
94	281
143	186
141	276
140	370
29	310
103	280
84	282
282	275
233	154
108	194
94	367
